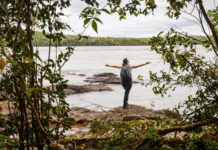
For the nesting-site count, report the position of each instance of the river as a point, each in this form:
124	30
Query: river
91	60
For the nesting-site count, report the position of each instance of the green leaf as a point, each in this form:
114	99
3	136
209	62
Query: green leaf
36	54
17	16
85	37
29	92
5	137
176	53
93	12
173	6
160	33
87	21
105	10
135	13
97	19
61	14
13	62
122	17
57	107
94	26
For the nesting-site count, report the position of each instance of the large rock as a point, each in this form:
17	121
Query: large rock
105	75
80	115
74	89
106	78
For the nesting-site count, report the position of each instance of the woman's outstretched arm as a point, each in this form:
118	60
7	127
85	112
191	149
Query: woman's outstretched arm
119	67
136	66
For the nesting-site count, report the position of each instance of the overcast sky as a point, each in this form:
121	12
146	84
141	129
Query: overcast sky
141	26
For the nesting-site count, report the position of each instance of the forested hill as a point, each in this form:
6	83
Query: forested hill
71	40
94	41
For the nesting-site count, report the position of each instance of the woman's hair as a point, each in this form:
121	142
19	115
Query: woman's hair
125	60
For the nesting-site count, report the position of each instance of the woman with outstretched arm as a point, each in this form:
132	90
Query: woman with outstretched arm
126	75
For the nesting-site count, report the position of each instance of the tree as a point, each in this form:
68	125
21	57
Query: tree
23	80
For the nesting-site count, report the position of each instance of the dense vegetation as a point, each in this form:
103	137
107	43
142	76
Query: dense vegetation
97	41
93	41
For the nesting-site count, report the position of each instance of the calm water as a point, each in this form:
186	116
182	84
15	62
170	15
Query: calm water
91	60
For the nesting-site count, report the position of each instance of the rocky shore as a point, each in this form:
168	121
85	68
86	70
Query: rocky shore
82	118
83	115
136	112
105	78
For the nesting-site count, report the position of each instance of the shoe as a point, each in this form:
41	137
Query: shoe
126	107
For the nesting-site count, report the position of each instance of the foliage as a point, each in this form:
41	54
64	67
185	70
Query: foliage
70	40
30	102
116	135
94	41
213	15
121	134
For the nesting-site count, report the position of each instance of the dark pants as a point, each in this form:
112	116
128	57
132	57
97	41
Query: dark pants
127	84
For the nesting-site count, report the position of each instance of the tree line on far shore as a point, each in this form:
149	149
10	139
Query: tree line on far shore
71	40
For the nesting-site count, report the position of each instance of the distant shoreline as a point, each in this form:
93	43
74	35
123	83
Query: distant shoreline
43	40
96	46
106	46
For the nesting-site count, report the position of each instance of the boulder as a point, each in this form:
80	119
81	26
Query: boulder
81	115
137	112
106	80
104	75
74	89
82	75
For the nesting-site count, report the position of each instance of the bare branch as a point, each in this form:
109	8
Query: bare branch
213	30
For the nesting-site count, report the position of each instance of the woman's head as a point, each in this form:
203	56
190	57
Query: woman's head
125	61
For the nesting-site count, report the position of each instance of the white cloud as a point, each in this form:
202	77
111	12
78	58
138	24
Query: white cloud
141	26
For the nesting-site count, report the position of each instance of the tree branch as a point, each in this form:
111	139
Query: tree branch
178	128
209	22
18	23
8	23
3	51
